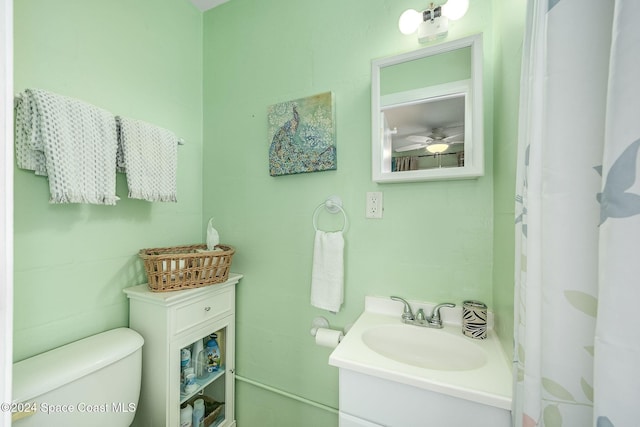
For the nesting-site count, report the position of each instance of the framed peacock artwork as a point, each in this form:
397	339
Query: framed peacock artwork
302	135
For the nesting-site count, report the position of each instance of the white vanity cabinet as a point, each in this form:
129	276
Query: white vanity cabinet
371	401
169	322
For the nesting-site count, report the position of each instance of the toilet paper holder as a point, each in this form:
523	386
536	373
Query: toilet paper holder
318	322
325	336
322	322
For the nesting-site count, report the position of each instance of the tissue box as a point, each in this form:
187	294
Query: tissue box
185	267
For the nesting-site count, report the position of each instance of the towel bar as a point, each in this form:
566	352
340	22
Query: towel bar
17	98
333	204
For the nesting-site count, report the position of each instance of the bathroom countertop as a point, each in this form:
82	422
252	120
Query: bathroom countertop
489	384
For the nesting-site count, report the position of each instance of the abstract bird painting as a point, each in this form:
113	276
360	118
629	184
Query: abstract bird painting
302	135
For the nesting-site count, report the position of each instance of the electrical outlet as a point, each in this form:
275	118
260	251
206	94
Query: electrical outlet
374	205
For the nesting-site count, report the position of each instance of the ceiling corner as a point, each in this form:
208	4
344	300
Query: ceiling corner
204	5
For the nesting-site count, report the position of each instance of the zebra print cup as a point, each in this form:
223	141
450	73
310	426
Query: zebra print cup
474	319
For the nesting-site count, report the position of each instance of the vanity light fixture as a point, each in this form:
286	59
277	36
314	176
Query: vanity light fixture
437	148
433	22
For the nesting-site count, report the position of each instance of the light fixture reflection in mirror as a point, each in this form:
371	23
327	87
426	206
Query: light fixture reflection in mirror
437	148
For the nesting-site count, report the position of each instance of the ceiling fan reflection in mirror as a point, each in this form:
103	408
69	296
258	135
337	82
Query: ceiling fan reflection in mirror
438	141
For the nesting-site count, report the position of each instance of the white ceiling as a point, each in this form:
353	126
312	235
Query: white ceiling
204	5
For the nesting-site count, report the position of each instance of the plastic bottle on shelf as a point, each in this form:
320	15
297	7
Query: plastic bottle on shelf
198	413
185	358
197	354
212	354
197	348
186	416
201	365
185	362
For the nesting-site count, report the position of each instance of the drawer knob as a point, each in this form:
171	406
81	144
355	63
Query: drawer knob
207	308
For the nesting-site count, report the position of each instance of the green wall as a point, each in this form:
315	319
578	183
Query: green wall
210	78
434	243
141	59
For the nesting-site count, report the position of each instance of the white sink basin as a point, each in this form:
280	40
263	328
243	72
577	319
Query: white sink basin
443	361
424	347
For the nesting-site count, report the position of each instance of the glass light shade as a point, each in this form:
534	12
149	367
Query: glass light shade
409	21
455	9
438	147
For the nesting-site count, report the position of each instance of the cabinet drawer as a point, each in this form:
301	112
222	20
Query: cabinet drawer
202	310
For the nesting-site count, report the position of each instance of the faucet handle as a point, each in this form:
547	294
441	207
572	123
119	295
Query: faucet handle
435	316
407	314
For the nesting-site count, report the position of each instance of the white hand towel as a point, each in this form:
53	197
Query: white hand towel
148	154
327	275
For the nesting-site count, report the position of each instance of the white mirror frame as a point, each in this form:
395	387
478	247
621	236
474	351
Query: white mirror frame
474	118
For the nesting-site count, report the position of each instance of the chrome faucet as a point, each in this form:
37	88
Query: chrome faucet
420	319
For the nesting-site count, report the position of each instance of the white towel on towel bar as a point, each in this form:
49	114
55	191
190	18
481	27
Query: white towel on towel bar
70	141
148	154
327	275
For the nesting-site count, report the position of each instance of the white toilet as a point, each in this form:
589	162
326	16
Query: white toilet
91	382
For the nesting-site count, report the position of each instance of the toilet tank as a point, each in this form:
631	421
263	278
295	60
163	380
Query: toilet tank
91	382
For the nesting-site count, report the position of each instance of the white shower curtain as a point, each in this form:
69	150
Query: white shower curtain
577	337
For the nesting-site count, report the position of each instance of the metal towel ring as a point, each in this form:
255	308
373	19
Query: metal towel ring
333	204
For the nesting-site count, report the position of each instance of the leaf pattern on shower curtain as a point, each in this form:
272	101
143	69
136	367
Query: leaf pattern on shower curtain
552	3
557	390
520	201
604	422
615	200
587	389
520	219
552	416
582	301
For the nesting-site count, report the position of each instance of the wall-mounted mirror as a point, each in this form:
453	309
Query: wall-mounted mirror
427	113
